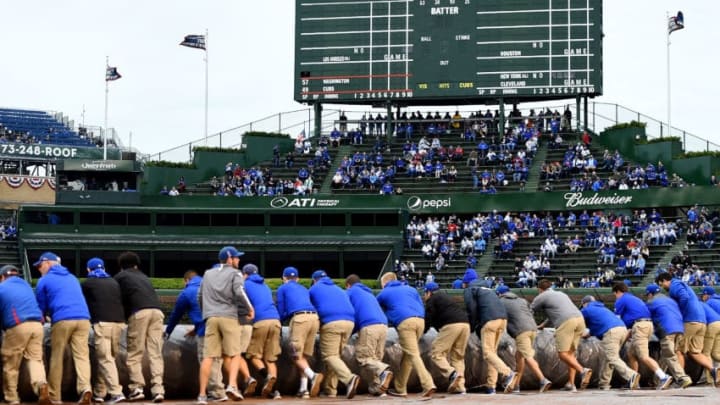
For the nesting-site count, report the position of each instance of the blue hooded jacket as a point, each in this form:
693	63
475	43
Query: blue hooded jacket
631	308
599	319
367	310
710	314
59	294
400	302
714	302
688	302
666	316
187	302
261	298
293	297
17	303
331	302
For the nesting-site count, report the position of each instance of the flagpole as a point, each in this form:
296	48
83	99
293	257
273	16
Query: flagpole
206	87
667	18
107	90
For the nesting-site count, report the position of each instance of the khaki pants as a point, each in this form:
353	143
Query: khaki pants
107	346
693	338
303	328
215	385
567	335
24	340
76	334
145	333
409	333
524	342
369	352
611	343
333	337
641	332
711	344
448	350
265	340
490	336
668	354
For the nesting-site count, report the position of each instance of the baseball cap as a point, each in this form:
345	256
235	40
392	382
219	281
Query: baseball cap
290	272
318	274
250	268
470	276
502	289
708	290
588	298
96	263
652	289
47	256
9	270
432	286
227	252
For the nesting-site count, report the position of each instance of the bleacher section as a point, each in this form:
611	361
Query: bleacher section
573	266
273	174
437	180
557	170
31	126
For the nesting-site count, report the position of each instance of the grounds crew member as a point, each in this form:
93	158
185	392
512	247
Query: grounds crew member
293	303
449	318
22	336
104	298
371	327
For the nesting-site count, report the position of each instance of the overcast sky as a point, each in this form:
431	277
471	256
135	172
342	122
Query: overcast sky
53	58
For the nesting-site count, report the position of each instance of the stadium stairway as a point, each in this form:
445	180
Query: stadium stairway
678	247
343	150
573	266
533	180
9	253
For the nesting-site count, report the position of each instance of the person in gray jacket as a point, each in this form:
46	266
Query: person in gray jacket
569	327
522	327
221	295
488	319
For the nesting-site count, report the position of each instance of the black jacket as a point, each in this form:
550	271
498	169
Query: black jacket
137	291
483	305
441	309
104	299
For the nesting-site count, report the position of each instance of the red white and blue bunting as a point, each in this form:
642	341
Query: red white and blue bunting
34	182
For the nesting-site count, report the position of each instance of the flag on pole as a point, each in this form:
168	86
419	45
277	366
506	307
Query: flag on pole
194	41
676	23
111	74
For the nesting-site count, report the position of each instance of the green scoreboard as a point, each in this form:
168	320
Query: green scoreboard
446	51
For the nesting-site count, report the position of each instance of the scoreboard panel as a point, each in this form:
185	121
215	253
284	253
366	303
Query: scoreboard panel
425	51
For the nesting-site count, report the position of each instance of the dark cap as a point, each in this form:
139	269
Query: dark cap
250	269
502	289
588	298
318	274
652	289
96	263
45	257
228	252
470	276
9	270
290	272
708	290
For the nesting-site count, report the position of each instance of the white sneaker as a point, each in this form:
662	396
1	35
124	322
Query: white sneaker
233	393
136	395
